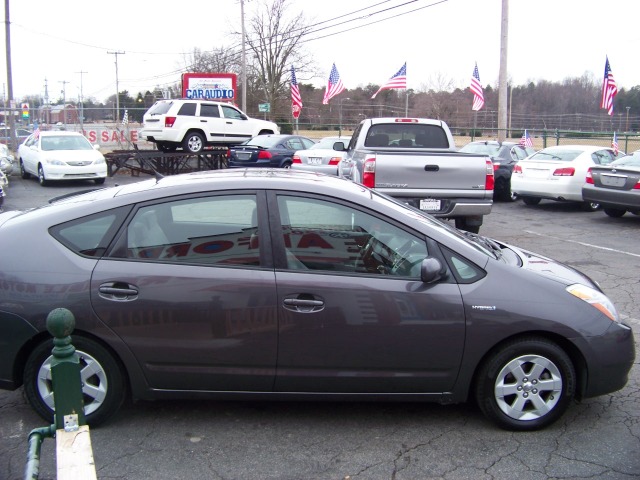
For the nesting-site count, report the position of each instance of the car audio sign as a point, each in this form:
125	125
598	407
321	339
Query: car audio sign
209	86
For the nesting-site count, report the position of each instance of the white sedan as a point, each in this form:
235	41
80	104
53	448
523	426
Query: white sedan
321	157
60	155
558	173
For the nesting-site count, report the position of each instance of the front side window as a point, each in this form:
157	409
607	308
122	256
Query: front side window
220	230
230	112
332	237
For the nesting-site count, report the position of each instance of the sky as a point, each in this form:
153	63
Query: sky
68	45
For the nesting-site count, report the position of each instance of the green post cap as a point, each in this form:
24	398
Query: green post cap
60	322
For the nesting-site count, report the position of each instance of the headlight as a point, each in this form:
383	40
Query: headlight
596	299
100	161
54	162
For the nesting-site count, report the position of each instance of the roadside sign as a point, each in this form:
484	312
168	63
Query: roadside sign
264	107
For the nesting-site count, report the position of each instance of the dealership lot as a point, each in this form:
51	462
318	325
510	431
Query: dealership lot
599	437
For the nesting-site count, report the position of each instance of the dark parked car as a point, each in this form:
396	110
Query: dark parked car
21	135
616	187
279	284
504	156
268	151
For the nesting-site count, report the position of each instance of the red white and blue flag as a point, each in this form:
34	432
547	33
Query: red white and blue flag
334	86
526	140
609	88
296	99
476	88
614	144
399	80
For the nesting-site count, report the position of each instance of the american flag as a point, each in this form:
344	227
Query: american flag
609	89
36	132
526	140
399	80
296	99
614	144
125	118
476	88
334	87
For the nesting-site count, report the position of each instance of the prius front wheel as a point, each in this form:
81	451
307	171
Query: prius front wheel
526	384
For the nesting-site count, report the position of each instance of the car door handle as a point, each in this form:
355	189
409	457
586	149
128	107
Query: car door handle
303	305
118	291
431	168
203	121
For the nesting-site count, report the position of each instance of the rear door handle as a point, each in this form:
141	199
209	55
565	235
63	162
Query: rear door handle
118	291
431	168
303	305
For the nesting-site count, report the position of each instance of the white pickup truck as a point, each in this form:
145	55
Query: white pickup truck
415	161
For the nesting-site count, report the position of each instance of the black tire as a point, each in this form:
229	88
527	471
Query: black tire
614	212
23	173
531	200
462	224
527	384
193	142
589	206
104	388
41	178
286	165
99	181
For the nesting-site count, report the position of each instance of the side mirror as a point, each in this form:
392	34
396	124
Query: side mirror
96	147
431	270
339	147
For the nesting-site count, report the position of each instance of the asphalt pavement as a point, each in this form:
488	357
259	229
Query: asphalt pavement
597	438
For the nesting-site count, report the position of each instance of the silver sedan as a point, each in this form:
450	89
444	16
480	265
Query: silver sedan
322	156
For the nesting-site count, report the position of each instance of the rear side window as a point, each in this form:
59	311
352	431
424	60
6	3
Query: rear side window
219	230
90	236
208	110
188	109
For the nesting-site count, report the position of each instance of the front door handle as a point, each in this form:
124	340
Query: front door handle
304	305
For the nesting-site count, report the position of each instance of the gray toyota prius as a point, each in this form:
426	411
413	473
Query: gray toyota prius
280	284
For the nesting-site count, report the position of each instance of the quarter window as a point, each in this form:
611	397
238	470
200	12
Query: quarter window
326	236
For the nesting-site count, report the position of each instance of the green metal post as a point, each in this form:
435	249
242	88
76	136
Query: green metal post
37	435
65	368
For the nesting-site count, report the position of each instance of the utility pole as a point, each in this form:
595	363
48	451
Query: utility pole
47	104
117	115
12	120
64	102
502	81
244	61
81	104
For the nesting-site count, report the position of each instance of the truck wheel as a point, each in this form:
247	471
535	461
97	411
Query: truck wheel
531	200
614	212
193	142
463	224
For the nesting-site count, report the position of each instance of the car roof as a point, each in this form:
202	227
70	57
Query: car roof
585	148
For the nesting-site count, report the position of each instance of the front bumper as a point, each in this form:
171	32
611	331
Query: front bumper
89	172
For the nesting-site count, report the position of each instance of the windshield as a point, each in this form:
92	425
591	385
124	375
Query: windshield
482	244
264	141
628	161
327	143
63	142
555	154
481	148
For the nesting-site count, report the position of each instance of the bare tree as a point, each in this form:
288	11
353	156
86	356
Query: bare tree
221	59
275	44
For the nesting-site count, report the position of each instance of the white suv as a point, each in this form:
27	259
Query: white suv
193	124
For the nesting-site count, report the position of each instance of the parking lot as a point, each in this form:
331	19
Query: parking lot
598	438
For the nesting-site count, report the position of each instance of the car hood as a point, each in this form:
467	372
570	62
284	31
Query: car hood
552	269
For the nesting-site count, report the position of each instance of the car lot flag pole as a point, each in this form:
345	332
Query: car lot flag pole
478	97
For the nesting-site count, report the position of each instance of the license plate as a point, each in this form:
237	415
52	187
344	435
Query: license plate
610	181
430	204
243	155
314	161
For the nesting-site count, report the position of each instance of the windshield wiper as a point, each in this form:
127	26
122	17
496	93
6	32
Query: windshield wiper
491	245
